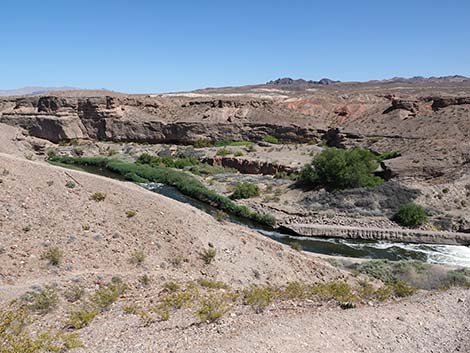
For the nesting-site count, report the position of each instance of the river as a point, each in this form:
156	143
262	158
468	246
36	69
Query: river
454	255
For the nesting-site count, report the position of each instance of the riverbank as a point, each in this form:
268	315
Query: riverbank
392	235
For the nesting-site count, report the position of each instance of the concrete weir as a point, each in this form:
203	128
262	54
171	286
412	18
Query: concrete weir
392	235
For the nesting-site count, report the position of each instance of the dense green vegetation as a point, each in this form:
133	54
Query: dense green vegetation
184	182
223	152
336	168
270	139
414	273
225	143
388	155
202	143
410	215
245	191
190	164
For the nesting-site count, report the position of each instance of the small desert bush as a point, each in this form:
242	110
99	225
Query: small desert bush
178	300
15	337
70	184
80	318
245	190
104	297
295	290
212	284
53	255
145	318
201	143
410	215
211	309
259	297
338	290
50	152
162	311
458	277
221	216
137	257
296	246
42	301
208	255
131	213
144	280
98	196
130	309
401	289
238	154
74	293
223	152
172	286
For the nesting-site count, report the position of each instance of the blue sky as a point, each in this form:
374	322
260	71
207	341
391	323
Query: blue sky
161	46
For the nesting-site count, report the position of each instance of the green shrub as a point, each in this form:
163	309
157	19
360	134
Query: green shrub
131	213
410	215
296	246
130	309
401	289
51	152
81	318
225	143
221	216
459	277
144	280
211	310
104	297
270	139
43	301
172	286
70	184
259	297
15	337
388	155
208	255
336	168
245	190
201	143
53	255
238	154
380	269
74	293
223	152
340	291
212	284
137	257
98	196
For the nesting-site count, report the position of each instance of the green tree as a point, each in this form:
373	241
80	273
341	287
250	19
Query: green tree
410	215
336	168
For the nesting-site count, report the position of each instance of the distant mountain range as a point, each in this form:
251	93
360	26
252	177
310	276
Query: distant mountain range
28	91
287	81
